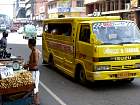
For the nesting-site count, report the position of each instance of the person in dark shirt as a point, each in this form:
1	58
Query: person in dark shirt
3	46
3	41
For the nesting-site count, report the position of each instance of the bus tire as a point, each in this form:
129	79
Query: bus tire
129	80
51	62
81	76
44	62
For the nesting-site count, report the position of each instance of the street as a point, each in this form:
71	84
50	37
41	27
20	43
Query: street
57	89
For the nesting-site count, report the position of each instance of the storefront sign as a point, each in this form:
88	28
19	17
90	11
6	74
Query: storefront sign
61	10
134	3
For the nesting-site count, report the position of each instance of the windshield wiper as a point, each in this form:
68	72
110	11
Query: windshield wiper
120	43
128	42
107	43
136	42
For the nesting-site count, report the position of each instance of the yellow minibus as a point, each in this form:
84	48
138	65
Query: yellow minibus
93	48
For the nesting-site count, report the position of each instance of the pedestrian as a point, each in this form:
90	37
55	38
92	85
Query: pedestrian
3	41
32	66
3	46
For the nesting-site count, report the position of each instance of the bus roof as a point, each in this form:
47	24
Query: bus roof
105	21
82	19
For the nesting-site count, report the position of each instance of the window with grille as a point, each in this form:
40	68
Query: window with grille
80	3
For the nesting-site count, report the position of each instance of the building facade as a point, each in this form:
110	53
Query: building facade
20	9
29	8
40	10
19	13
126	9
69	8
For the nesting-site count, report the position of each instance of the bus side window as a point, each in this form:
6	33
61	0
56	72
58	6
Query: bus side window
54	29
49	28
54	32
85	33
67	29
59	29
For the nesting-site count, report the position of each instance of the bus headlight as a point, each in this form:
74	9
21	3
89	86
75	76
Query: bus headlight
102	67
137	65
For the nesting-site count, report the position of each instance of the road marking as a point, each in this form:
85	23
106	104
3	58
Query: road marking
52	94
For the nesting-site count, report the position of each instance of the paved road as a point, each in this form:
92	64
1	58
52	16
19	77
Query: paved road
57	89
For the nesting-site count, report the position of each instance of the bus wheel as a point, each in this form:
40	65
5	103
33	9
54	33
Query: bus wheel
129	80
44	62
82	76
51	61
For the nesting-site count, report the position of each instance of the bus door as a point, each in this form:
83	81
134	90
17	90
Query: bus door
68	49
84	49
55	43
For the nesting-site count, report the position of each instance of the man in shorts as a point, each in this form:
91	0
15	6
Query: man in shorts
32	65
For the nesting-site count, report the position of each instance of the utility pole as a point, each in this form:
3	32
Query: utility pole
14	10
32	9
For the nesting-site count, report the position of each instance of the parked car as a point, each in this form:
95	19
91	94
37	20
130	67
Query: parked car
20	30
2	27
8	30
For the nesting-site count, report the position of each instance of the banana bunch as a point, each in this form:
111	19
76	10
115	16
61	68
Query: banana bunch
19	80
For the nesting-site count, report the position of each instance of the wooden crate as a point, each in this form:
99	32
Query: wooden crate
26	88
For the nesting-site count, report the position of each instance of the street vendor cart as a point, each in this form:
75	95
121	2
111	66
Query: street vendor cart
16	85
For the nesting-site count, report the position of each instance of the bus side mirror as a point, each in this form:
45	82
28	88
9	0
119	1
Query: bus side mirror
92	39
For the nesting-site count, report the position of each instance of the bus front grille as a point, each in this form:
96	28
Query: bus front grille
122	67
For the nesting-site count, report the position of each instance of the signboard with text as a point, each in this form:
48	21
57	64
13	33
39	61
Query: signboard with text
61	10
134	3
6	72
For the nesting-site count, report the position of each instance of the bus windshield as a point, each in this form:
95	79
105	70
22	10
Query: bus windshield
117	32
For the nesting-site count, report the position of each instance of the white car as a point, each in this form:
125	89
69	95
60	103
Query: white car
39	31
2	27
20	30
8	30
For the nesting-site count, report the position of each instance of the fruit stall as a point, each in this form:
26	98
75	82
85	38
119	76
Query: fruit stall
16	85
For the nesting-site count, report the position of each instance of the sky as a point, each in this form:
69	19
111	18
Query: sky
6	7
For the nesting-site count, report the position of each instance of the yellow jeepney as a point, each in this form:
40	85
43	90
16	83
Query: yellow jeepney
93	48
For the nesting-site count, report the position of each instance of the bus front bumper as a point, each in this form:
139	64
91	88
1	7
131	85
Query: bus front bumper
113	75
